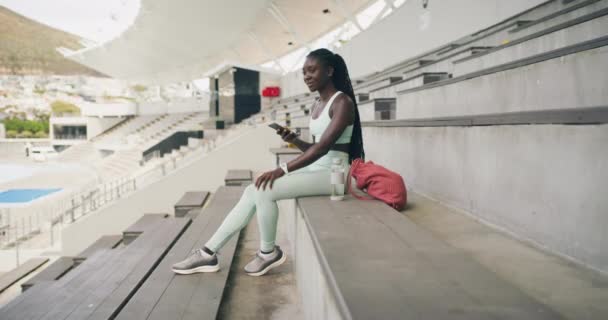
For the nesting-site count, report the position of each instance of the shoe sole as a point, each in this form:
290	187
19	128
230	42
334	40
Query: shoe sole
198	269
273	265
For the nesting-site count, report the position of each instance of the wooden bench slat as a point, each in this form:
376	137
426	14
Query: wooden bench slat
146	222
103	282
238	177
34	302
190	200
193	213
104	242
100	282
166	295
117	294
383	263
11	277
52	272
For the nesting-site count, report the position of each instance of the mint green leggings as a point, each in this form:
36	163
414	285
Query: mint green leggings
312	180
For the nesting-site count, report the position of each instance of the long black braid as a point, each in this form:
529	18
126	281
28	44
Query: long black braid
341	81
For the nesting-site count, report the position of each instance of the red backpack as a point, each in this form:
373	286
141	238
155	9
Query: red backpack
378	182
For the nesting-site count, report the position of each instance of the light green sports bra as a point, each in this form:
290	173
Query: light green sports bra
318	126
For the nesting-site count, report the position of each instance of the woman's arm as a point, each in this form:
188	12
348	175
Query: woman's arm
343	115
291	137
302	145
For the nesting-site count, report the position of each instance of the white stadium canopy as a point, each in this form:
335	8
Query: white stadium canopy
181	40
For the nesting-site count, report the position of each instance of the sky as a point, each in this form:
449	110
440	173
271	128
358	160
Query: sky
97	20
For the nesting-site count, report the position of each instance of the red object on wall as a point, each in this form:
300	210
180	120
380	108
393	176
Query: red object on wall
271	92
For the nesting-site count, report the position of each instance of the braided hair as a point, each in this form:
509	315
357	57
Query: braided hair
341	82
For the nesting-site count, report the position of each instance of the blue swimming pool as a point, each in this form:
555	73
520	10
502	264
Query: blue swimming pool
24	195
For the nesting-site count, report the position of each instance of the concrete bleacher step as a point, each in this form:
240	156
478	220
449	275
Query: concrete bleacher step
238	177
576	30
377	109
368	86
572	290
551	19
147	222
445	98
490	36
360	97
100	287
553	15
445	62
11	277
197	296
417	64
418	80
376	261
447	48
189	201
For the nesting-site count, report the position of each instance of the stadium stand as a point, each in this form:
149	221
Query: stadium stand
477	127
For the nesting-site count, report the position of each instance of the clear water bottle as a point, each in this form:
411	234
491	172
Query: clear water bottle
337	179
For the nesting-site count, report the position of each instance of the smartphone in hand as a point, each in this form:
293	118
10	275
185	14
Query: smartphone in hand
275	126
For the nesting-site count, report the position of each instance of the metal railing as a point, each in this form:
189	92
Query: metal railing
23	223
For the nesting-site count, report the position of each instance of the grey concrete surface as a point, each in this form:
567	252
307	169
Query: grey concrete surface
543	183
272	296
575	292
565	37
571	81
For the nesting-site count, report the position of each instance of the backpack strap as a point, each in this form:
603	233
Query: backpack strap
354	164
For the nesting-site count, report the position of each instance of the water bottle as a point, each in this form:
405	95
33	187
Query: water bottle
337	179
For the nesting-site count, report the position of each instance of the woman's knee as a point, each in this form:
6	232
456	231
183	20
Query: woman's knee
260	193
249	190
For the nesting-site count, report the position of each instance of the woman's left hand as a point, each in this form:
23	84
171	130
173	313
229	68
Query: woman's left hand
268	176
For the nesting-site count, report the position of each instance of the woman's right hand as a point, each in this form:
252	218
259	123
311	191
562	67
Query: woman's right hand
287	135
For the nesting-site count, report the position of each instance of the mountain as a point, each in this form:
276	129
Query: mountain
28	47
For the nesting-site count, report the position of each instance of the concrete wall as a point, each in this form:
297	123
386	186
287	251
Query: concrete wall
189	105
293	84
175	106
576	80
268	80
156	107
576	34
313	287
108	109
97	126
248	152
367	110
412	30
543	183
314	292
